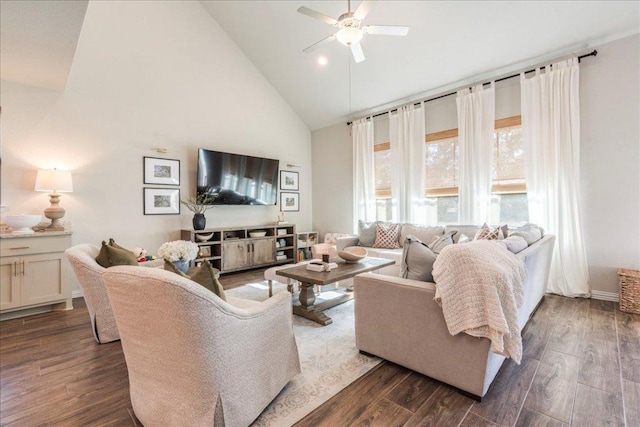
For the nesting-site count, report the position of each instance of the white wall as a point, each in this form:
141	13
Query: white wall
146	75
610	160
610	157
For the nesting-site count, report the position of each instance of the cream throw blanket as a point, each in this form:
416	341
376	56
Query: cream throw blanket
479	287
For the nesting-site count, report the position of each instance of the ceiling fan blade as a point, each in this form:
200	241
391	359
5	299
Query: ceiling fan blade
387	30
357	52
362	10
325	40
321	16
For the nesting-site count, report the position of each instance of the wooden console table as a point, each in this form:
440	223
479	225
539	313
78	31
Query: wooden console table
307	278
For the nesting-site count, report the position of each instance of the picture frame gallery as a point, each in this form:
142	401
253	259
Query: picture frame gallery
161	171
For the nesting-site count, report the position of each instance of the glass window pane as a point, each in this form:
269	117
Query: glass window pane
448	210
508	155
442	164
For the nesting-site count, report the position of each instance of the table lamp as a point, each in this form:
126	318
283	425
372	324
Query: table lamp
55	181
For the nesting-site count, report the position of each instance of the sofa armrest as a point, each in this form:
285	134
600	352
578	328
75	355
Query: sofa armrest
397	319
345	242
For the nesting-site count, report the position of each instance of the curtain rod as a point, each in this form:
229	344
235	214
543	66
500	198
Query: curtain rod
593	53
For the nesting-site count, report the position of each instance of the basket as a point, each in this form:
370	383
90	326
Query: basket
629	281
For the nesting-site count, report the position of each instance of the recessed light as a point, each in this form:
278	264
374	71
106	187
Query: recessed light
322	60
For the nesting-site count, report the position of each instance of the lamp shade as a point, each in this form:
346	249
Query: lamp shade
54	180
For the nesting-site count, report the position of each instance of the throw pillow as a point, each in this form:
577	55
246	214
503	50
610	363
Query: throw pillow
417	260
113	244
366	233
110	256
514	244
387	236
204	275
530	232
440	242
488	233
469	230
464	239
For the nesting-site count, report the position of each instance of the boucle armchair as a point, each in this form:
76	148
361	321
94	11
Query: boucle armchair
89	273
194	359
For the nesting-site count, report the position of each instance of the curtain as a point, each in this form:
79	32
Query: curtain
476	120
364	184
408	159
551	137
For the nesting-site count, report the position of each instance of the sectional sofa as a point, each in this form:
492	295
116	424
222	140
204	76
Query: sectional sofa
398	320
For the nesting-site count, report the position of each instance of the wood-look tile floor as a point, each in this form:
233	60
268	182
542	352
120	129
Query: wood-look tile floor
581	366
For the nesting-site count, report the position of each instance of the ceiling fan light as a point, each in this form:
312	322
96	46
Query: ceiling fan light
349	35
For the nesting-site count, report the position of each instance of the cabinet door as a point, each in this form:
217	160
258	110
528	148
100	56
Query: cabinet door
235	255
43	278
10	275
264	251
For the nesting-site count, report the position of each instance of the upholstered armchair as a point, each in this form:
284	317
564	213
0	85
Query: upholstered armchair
328	246
194	359
89	273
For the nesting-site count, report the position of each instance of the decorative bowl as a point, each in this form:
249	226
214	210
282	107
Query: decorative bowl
21	224
203	237
257	233
353	254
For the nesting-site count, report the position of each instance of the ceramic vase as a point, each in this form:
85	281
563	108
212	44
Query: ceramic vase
199	222
182	265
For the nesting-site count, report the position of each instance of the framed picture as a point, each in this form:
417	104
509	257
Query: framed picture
161	171
205	251
289	180
161	201
289	202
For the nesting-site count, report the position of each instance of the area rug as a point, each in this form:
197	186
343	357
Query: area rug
329	359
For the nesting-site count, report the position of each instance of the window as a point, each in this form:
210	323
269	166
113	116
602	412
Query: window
509	200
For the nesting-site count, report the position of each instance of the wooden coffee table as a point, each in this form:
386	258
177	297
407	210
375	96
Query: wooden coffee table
307	278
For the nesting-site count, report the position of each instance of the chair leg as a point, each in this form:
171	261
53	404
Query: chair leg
270	289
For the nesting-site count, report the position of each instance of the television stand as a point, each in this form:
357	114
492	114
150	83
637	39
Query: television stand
233	249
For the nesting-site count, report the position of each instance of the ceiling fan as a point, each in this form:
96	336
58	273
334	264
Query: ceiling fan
351	29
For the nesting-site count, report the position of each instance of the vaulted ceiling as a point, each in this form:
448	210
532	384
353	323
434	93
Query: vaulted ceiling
450	44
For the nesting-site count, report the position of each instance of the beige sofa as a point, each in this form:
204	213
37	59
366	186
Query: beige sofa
397	319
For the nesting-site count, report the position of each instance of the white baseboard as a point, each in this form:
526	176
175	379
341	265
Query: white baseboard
79	294
605	296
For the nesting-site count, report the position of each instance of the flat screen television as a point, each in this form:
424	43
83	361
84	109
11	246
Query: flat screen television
235	179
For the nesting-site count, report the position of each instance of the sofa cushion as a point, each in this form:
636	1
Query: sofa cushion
514	244
417	260
422	232
440	242
387	236
464	239
530	232
367	233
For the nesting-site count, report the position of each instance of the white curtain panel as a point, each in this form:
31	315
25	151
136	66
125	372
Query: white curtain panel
408	159
476	121
364	195
551	136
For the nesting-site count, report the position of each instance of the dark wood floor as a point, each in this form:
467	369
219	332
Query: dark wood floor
581	367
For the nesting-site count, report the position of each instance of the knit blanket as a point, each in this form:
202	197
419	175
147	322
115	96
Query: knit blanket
479	287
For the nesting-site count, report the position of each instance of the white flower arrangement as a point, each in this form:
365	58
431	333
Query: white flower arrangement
178	250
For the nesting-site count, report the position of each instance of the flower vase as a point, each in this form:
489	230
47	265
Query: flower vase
182	265
199	222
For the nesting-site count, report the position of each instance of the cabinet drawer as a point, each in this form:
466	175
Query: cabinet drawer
34	245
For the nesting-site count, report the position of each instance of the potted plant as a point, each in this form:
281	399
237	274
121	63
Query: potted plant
179	252
199	205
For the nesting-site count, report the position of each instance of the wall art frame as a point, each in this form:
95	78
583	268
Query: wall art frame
161	201
289	180
161	171
289	202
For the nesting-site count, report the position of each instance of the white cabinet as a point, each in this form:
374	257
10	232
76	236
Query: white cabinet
34	274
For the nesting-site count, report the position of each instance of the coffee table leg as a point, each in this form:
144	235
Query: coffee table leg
307	309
